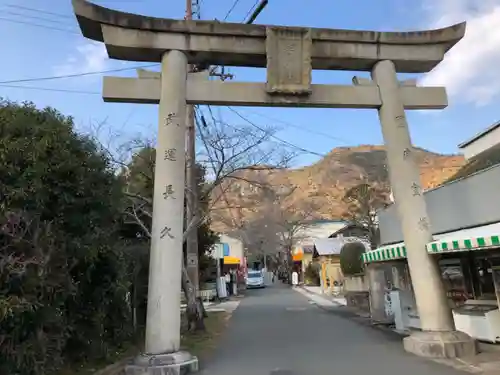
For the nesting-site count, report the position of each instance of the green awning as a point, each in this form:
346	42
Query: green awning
454	242
463	244
385	253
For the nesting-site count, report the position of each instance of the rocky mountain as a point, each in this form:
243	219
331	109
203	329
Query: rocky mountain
323	184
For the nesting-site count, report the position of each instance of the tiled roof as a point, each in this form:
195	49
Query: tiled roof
328	246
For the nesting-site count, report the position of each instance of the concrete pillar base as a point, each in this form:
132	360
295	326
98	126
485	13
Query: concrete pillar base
179	363
446	344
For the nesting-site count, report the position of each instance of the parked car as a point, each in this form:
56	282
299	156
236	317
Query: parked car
255	279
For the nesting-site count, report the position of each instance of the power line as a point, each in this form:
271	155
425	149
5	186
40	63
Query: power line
51	89
214	120
231	9
251	10
238	222
38	11
30	16
38	25
261	4
317	153
300	127
275	137
76	74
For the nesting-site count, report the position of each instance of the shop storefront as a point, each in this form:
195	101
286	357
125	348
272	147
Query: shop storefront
391	294
465	221
470	267
471	273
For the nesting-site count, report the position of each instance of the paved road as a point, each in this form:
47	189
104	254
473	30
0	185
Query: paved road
278	329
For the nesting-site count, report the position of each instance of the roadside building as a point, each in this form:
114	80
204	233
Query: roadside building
465	222
327	254
231	257
303	251
350	230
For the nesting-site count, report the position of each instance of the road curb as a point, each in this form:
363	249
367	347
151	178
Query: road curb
348	313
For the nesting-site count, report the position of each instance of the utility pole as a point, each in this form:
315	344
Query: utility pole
251	19
191	175
191	183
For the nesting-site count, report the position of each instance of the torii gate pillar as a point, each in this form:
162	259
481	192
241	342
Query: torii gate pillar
289	54
162	326
438	337
163	319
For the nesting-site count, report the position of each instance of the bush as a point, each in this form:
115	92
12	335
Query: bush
72	268
63	273
350	258
311	274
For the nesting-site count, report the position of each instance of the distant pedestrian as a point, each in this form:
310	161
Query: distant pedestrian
228	283
232	282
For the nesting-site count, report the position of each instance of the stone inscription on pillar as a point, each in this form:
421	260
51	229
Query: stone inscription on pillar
170	154
171	119
166	231
415	188
169	192
163	319
288	61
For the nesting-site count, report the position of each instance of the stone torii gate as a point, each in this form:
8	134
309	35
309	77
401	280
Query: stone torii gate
289	54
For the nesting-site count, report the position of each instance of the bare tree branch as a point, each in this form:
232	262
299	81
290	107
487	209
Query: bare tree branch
140	197
278	223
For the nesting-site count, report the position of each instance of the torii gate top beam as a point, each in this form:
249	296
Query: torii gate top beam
141	38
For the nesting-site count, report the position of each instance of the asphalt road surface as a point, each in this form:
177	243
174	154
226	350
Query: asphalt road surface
277	331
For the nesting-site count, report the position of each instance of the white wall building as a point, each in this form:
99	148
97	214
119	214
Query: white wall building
318	229
481	141
234	247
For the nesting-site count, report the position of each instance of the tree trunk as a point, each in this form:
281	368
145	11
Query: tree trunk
134	306
290	265
194	310
202	308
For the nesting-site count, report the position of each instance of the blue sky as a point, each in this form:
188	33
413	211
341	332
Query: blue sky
470	72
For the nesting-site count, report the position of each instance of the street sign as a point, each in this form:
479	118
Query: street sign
218	251
192	260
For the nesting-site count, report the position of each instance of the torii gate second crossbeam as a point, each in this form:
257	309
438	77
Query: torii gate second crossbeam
201	90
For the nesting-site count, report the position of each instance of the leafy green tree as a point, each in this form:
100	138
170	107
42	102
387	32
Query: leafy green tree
350	258
63	274
312	274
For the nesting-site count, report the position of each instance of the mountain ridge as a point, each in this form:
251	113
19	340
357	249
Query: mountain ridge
324	182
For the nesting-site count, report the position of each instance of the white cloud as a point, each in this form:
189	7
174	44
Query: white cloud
471	69
88	57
